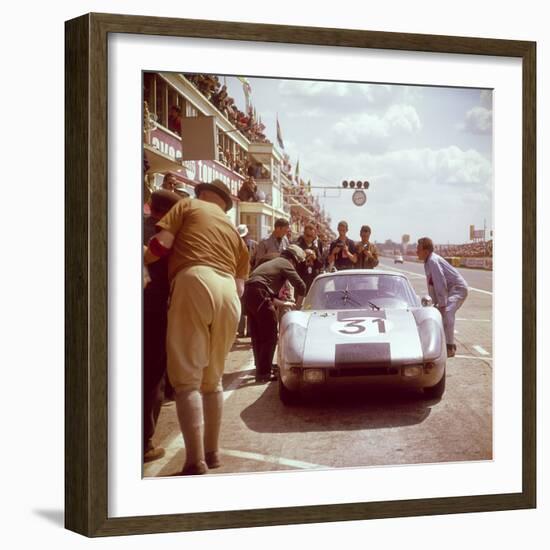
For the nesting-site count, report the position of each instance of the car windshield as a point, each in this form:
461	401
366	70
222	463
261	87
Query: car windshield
353	291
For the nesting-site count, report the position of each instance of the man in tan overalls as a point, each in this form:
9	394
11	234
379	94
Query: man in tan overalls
207	265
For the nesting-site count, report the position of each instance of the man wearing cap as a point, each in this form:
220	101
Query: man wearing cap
207	265
275	243
181	191
251	245
261	298
155	305
446	286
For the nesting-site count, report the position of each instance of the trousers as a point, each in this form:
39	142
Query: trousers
456	298
203	315
262	319
154	369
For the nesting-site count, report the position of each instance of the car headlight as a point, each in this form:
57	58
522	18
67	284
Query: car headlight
314	376
411	371
294	343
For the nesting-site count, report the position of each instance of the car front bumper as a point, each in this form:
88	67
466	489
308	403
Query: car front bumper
400	376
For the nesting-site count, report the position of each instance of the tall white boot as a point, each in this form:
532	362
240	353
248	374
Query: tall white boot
189	408
212	408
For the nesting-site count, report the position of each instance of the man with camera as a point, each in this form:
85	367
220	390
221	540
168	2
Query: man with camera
342	251
367	253
313	249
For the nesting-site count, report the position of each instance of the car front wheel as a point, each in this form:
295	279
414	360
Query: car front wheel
437	391
288	397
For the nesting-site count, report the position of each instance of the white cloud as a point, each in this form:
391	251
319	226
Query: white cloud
479	120
377	94
310	88
486	98
451	171
421	191
374	131
403	118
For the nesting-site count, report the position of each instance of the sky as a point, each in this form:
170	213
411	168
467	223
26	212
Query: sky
426	151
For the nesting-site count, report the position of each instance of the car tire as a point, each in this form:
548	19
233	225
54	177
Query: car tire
287	397
437	391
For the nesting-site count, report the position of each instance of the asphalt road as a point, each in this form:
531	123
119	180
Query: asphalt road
363	429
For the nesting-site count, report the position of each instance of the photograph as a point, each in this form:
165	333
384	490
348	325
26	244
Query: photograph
317	274
291	290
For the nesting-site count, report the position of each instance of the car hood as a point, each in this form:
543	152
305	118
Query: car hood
362	337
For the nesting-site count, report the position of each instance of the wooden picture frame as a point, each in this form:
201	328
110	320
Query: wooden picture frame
86	280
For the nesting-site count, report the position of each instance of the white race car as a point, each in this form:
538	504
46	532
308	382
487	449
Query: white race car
361	327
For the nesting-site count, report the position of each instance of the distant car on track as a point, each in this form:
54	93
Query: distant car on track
361	326
398	259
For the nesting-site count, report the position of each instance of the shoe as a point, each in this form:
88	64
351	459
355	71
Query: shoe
194	469
154	453
213	459
451	350
263	378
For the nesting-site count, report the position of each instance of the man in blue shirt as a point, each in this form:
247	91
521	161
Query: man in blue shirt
446	286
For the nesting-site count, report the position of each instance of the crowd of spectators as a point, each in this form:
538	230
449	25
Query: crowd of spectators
300	193
253	129
238	163
246	122
479	249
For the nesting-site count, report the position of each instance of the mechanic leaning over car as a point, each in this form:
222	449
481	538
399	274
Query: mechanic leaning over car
260	300
446	286
207	264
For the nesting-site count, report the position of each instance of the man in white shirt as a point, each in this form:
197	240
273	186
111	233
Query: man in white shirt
446	286
275	243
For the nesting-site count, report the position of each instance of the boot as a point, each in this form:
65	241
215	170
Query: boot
212	407
189	408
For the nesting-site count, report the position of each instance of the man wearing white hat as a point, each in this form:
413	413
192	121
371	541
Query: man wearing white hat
251	245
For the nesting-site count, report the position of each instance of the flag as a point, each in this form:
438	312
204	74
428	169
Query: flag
247	89
279	135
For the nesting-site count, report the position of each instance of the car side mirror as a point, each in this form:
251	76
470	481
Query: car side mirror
426	301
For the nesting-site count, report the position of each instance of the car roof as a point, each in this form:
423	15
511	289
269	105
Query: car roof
362	272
